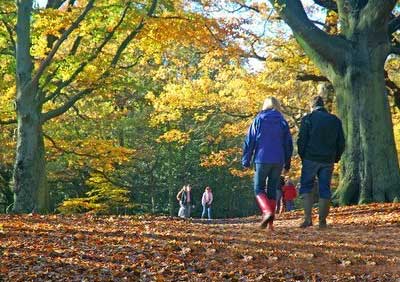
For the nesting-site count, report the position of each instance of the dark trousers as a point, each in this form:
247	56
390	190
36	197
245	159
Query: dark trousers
309	171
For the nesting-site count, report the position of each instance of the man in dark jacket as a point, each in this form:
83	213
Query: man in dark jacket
270	141
320	145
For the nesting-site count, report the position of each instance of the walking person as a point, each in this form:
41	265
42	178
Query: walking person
270	142
206	201
320	145
289	194
185	199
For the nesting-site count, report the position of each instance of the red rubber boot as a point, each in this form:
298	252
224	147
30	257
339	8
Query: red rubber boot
267	208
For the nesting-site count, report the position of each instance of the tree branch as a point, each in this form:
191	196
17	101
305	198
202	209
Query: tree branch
375	11
10	34
132	35
46	62
393	88
66	106
327	4
329	49
242	5
71	102
95	54
311	77
8	121
394	24
395	49
53	142
113	182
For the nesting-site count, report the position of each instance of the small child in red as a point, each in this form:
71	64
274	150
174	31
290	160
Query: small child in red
289	194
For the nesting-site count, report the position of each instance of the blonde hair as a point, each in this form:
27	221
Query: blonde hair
271	103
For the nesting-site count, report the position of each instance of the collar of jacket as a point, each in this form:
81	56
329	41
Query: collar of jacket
319	108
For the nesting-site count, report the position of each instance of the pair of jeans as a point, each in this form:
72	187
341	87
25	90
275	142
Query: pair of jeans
206	209
312	169
188	209
289	205
267	178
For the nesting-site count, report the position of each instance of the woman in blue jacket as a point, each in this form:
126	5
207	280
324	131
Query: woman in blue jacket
269	144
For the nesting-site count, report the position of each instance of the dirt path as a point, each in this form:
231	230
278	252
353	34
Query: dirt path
362	244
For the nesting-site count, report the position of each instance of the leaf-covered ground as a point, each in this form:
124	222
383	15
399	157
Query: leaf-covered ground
362	244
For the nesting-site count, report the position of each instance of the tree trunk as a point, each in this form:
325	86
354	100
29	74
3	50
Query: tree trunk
30	189
369	166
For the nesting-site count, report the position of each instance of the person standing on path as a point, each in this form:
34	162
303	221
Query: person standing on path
185	199
270	142
206	202
320	144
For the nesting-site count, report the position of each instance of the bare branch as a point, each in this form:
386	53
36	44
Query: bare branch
243	5
327	4
46	62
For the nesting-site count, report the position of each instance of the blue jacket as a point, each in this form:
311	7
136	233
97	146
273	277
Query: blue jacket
269	139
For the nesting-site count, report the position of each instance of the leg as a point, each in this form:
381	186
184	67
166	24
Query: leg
204	211
188	210
278	200
260	176
289	205
273	182
324	179
209	212
308	172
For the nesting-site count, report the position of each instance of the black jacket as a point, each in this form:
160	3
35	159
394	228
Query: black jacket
321	137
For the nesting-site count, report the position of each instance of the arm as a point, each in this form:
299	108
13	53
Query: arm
249	144
340	143
303	136
179	195
288	146
211	199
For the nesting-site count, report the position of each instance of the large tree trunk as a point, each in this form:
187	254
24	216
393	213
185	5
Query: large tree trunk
30	190
369	167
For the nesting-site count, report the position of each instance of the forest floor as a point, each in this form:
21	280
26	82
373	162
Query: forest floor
361	244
